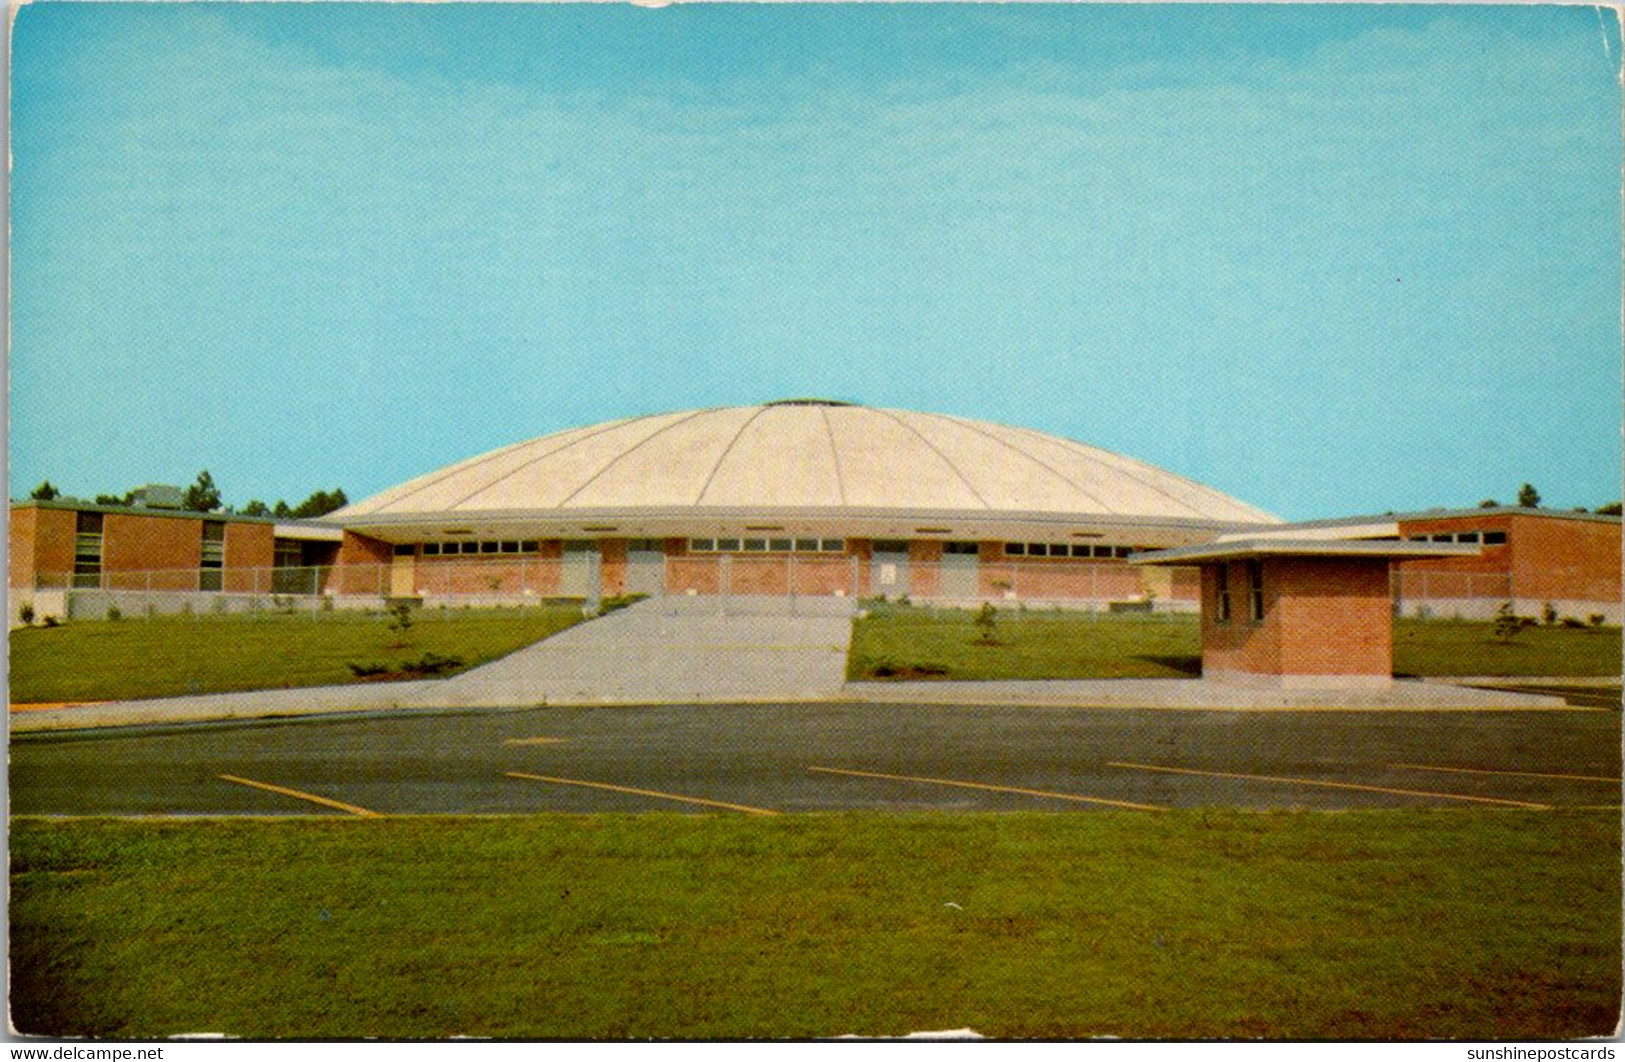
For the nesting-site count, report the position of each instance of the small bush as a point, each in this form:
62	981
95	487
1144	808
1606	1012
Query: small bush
433	664
26	614
114	614
618	601
400	616
1507	625
1548	613
429	663
51	621
987	618
1596	619
1571	621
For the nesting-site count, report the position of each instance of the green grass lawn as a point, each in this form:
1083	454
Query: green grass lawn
907	642
1459	647
1374	924
168	655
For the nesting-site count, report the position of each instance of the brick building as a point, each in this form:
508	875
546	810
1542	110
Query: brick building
70	558
797	497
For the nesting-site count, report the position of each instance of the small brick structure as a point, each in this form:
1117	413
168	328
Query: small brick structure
1298	613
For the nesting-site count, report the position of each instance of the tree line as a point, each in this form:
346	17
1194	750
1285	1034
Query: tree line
203	496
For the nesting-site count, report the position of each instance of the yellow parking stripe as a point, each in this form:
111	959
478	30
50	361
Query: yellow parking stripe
993	788
534	741
1519	774
641	792
313	798
1331	785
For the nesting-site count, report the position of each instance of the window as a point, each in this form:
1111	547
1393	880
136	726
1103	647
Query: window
1223	581
890	545
1495	538
645	545
1255	591
87	549
431	549
490	547
961	549
1015	549
755	545
404	550
1467	536
213	557
530	545
290	574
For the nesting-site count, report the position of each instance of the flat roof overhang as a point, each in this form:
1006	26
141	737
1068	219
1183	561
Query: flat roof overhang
832	522
308	533
1257	548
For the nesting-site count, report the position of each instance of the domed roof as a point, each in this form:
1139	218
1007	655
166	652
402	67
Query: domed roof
802	455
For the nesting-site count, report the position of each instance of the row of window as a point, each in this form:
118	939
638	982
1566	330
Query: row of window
1062	549
767	545
1487	538
506	545
1255	592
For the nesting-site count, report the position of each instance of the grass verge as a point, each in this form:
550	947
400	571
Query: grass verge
1374	924
165	656
1463	647
904	642
899	641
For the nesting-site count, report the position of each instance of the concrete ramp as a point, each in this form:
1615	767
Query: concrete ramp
682	650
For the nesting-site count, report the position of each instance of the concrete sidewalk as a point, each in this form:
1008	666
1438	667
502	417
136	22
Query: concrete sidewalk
1193	694
709	650
673	650
256	704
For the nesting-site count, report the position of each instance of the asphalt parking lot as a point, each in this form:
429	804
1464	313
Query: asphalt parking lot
800	758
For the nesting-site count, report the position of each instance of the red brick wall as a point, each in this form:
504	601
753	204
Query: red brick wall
139	543
41	543
1336	616
1322	616
361	565
612	576
924	571
1546	557
248	546
1565	559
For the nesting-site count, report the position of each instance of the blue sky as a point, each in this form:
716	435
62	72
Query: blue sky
1331	260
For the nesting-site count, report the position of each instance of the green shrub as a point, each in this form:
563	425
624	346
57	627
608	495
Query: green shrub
986	623
26	614
618	601
51	621
113	613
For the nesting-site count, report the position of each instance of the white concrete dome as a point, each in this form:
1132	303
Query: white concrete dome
807	466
